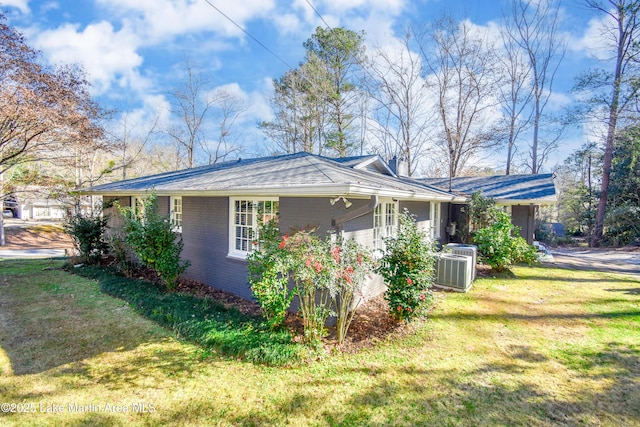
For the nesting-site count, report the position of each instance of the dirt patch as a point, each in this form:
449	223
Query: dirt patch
37	237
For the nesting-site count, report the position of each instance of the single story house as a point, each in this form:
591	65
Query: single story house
520	195
216	207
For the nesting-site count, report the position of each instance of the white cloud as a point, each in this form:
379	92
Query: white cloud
21	5
108	56
559	101
288	23
389	6
597	39
158	20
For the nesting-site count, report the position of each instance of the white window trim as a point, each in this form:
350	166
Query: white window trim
384	228
233	252
435	213
172	213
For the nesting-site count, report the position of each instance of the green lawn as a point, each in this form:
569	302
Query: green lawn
546	347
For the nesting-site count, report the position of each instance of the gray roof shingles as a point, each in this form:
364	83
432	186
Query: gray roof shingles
300	169
310	170
540	187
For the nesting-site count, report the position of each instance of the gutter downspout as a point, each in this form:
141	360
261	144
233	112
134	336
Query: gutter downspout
356	213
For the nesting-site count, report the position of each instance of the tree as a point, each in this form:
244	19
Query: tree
611	95
404	117
316	105
516	92
336	53
577	182
464	79
230	108
623	207
45	113
41	109
296	123
190	106
130	146
194	103
535	31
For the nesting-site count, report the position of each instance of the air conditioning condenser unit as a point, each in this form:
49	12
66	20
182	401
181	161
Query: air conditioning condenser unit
462	249
454	272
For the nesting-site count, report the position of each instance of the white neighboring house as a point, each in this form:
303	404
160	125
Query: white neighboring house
42	209
33	205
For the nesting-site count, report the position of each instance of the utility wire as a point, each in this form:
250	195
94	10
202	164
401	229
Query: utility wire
302	74
364	68
248	34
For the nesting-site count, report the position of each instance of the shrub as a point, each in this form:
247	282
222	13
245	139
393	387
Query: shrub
121	251
353	264
87	231
269	275
499	247
152	239
544	233
327	277
313	273
408	267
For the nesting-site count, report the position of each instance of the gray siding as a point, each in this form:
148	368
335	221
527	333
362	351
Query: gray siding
420	210
523	216
115	218
205	233
163	205
306	212
359	229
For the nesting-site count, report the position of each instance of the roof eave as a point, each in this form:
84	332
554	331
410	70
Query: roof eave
541	201
311	190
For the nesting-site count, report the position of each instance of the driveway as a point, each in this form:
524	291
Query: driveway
600	259
32	253
34	239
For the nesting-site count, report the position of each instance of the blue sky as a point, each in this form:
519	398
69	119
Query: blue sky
134	50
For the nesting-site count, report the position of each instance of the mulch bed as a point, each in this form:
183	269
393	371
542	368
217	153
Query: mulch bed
370	325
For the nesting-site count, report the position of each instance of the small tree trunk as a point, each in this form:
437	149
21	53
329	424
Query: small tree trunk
2	238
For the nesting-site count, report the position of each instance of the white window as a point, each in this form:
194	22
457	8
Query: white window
385	223
435	219
175	204
246	215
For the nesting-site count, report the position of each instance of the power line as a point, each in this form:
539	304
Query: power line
364	68
248	34
300	72
318	13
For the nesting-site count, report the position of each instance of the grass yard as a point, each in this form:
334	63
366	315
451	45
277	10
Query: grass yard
547	347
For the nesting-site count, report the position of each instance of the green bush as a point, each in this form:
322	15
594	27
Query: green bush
544	233
151	237
328	279
269	275
87	231
499	246
121	251
408	267
313	273
353	265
